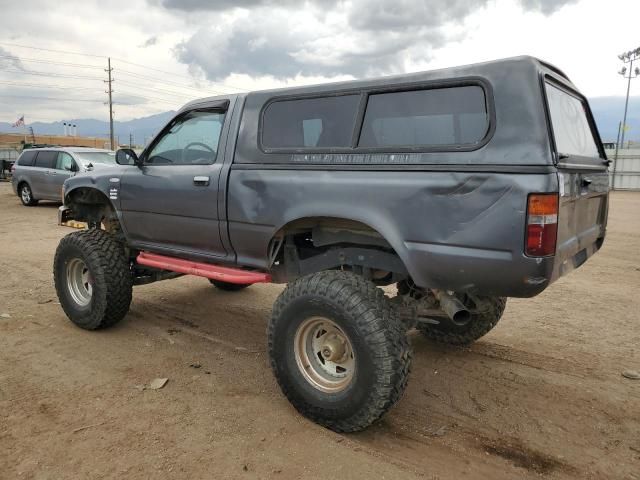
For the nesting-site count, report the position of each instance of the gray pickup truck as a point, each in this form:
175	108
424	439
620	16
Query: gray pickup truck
454	188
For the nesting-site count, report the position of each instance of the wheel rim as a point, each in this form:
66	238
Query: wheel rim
324	354
26	194
79	282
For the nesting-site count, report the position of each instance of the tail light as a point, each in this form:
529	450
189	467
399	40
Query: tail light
542	224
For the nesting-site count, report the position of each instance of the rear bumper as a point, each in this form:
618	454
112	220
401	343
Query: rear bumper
482	272
493	272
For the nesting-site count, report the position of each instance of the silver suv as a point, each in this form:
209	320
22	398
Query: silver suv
40	172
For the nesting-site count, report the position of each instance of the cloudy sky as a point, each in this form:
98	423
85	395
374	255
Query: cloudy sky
165	52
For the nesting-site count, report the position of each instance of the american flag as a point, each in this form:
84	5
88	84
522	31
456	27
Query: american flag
19	122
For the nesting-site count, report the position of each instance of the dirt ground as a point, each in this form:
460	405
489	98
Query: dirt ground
540	396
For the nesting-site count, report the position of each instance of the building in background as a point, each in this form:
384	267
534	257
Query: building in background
18	140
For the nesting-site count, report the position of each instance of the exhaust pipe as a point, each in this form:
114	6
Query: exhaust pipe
453	307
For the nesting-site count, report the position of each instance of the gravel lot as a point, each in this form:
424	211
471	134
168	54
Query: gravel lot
540	396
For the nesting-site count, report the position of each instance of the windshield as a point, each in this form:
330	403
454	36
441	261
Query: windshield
570	124
104	158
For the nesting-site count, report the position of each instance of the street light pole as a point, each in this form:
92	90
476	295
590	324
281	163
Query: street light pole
628	57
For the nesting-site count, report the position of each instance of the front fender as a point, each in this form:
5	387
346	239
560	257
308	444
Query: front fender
107	183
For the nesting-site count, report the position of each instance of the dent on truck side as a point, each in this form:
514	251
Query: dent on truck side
449	228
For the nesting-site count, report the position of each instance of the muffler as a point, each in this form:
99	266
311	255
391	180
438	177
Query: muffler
454	308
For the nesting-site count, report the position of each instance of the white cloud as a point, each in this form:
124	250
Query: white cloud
263	44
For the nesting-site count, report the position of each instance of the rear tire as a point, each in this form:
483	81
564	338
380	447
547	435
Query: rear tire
26	195
93	279
479	325
338	350
229	287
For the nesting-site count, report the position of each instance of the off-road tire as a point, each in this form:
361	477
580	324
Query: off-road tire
479	325
381	349
229	287
31	202
108	266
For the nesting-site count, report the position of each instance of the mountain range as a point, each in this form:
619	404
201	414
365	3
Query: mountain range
141	129
607	111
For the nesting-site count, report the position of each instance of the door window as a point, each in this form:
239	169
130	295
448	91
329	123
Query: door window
46	159
192	139
65	162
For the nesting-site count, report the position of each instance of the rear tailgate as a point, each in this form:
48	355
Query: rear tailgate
583	178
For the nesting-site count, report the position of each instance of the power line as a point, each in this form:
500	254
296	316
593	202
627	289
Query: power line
179	75
146	77
123	61
43	85
158	90
63	64
174	103
66	99
49	74
52	50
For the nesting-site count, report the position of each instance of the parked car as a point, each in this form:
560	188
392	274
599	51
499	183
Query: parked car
462	187
39	173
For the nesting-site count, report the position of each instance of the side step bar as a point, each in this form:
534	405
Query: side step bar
214	272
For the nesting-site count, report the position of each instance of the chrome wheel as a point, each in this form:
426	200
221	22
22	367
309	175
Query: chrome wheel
324	354
25	194
79	282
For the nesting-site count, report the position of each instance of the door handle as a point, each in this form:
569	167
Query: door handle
201	181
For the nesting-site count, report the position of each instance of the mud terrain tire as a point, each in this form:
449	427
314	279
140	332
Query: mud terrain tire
358	311
93	279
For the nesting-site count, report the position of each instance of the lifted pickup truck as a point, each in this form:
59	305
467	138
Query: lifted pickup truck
460	186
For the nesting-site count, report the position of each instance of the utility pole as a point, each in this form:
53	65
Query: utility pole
110	92
130	140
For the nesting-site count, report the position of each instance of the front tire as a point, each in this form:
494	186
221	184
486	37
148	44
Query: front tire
92	278
480	324
338	350
26	195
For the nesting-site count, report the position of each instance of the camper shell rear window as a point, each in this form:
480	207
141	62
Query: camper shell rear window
572	131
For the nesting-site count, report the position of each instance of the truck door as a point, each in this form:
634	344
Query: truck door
170	203
582	176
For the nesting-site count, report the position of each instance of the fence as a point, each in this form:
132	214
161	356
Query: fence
627	169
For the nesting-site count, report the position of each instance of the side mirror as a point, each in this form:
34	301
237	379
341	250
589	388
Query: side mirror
126	156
